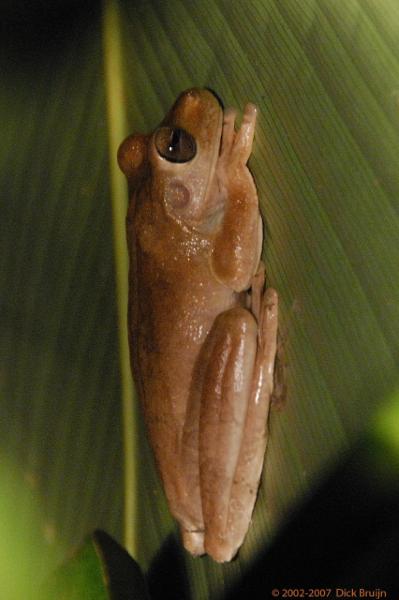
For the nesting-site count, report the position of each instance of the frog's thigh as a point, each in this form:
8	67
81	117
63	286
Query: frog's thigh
227	385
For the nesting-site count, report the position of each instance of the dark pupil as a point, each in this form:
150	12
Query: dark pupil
175	144
174	141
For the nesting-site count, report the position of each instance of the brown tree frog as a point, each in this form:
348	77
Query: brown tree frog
202	330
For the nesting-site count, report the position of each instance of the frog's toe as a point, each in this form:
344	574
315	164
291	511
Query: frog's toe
193	541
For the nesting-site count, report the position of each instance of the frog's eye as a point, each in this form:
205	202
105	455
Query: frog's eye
174	144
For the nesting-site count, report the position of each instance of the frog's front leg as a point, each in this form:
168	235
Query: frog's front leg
238	382
238	242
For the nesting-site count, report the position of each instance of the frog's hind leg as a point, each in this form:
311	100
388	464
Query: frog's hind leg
253	446
235	404
229	359
214	423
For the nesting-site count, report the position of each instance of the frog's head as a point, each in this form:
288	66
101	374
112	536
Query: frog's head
179	158
183	154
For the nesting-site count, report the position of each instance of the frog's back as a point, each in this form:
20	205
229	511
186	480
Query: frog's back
173	303
176	301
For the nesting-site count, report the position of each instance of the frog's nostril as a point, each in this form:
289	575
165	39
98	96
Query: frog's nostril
186	93
193	96
194	92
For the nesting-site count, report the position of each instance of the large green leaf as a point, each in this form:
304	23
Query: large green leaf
100	570
60	390
324	75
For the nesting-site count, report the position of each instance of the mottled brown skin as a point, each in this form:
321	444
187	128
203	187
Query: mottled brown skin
202	347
